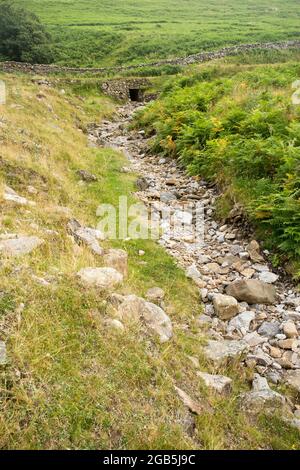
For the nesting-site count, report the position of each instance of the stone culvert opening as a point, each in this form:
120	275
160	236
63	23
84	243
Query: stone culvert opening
135	94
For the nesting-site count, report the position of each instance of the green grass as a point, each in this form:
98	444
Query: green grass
100	32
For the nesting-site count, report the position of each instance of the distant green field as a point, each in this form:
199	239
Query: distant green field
108	32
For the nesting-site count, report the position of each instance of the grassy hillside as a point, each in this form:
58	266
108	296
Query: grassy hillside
238	126
70	382
94	32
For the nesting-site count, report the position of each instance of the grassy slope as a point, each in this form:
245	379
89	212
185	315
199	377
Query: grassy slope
70	383
93	32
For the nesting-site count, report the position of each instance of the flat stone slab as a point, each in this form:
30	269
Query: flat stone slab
218	351
19	246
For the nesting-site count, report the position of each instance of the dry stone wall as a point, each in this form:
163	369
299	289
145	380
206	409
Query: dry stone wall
42	69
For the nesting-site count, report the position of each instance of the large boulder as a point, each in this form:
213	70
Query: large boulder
252	291
19	246
218	351
102	278
117	259
87	235
225	306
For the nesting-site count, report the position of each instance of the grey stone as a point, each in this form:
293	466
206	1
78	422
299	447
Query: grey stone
102	278
253	339
269	329
292	378
158	321
218	383
86	176
3	359
241	322
86	235
137	309
264	401
142	183
155	294
268	277
19	246
218	351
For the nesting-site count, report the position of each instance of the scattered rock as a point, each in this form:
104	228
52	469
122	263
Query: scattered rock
252	291
142	183
86	176
261	398
253	339
102	278
292	378
157	320
253	249
192	405
155	294
218	383
290	330
290	343
115	324
135	309
167	197
217	351
268	277
225	306
86	235
3	359
241	322
117	259
269	329
19	246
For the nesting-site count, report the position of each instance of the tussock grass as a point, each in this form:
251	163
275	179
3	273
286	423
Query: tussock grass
70	382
